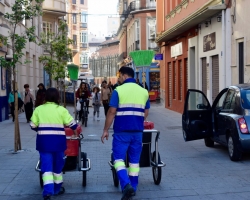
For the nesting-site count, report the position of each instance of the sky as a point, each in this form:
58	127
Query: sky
98	22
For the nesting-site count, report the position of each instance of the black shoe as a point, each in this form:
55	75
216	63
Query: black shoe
28	121
128	192
62	191
46	197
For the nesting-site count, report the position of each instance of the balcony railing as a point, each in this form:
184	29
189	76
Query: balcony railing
84	25
55	7
84	66
84	45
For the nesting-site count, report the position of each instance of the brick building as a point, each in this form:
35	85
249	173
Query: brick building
194	37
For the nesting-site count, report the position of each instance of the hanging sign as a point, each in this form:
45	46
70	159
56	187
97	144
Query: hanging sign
159	56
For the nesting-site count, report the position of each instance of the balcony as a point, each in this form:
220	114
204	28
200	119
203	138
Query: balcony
84	25
55	7
84	45
152	46
84	66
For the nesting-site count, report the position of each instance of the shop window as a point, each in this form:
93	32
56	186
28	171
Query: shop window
154	81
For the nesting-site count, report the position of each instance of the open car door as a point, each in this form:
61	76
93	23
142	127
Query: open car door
197	116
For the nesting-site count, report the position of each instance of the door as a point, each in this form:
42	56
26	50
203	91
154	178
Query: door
215	76
219	114
197	116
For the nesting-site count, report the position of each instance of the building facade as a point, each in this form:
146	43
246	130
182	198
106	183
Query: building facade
137	31
195	40
240	61
103	63
77	20
31	72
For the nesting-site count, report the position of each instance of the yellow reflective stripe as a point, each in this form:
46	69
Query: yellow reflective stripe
132	169
48	178
58	178
119	164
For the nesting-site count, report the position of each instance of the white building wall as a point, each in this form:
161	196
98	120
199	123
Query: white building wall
240	33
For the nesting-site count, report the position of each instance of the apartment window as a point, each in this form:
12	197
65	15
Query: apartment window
82	1
84	59
47	30
151	28
84	18
83	37
73	1
74	17
137	30
74	39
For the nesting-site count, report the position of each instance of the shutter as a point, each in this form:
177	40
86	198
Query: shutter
169	85
204	75
175	80
186	61
180	81
215	76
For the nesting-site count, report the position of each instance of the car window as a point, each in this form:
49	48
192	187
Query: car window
228	99
221	100
197	101
245	99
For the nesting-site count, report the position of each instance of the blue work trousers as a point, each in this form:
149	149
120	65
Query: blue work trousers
52	164
130	144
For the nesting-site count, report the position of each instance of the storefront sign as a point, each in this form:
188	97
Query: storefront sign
209	42
176	50
159	56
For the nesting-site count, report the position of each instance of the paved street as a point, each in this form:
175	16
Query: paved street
192	170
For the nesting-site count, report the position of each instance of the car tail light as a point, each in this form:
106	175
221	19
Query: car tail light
243	125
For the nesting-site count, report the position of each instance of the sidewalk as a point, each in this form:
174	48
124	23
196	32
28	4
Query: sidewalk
19	180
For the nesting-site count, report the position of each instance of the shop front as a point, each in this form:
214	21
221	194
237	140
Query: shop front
151	75
4	88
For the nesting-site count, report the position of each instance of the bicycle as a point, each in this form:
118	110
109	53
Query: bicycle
84	117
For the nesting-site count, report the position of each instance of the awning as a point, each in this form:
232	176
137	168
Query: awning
190	22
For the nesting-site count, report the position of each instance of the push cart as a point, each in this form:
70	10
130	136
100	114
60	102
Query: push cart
75	159
147	159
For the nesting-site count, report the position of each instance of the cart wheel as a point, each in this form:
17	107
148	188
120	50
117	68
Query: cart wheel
86	118
40	176
84	165
83	117
114	174
156	170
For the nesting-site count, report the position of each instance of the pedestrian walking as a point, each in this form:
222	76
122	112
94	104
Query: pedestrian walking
128	112
105	96
96	98
49	120
28	102
11	101
82	95
40	95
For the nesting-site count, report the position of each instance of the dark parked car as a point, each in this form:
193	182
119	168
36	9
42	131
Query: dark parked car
225	122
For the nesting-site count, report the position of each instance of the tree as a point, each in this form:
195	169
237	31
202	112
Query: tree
22	10
57	52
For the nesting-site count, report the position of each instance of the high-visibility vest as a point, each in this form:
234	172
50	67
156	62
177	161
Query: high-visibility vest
49	120
131	108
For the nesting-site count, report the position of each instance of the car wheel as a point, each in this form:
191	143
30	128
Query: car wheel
209	142
185	137
233	149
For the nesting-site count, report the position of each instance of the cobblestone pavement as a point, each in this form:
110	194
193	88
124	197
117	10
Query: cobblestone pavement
192	170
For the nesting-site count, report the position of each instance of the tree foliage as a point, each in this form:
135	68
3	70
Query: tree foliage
56	52
21	11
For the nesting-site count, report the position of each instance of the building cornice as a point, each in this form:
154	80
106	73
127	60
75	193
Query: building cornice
185	4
